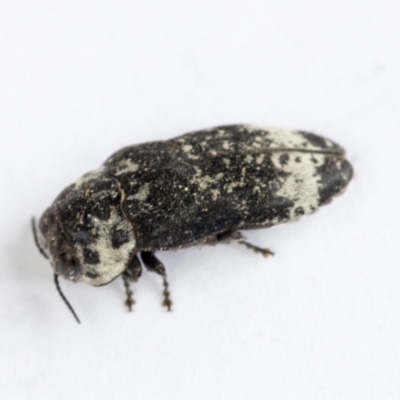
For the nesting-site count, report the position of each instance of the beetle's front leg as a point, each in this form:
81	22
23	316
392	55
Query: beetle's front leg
153	264
131	274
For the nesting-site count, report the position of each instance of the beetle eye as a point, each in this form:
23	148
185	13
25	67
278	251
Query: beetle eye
67	266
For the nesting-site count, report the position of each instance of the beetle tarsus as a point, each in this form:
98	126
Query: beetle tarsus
167	302
129	303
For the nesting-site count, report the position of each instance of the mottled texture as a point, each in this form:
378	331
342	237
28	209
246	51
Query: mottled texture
184	190
188	190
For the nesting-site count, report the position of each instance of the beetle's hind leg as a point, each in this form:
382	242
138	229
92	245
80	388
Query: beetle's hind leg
131	274
256	249
236	236
153	264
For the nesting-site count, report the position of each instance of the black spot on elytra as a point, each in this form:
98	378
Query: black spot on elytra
299	211
314	140
297	159
283	174
280	208
118	238
90	257
334	177
284	158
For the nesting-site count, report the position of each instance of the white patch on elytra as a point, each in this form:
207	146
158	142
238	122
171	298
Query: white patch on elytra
286	138
90	176
187	148
215	194
128	166
249	159
301	185
260	159
112	261
231	186
141	194
204	181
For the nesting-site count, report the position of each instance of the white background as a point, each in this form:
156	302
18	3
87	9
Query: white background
320	320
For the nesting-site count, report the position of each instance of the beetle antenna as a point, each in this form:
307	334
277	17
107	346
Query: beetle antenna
35	237
65	299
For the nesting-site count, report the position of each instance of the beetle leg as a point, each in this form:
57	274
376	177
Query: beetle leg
230	236
256	249
131	274
153	264
134	269
129	302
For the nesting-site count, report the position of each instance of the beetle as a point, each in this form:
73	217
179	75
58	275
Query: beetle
201	188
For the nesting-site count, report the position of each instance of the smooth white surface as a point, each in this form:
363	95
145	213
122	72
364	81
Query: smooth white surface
320	320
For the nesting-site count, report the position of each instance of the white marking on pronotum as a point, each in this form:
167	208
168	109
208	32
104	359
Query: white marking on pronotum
112	261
